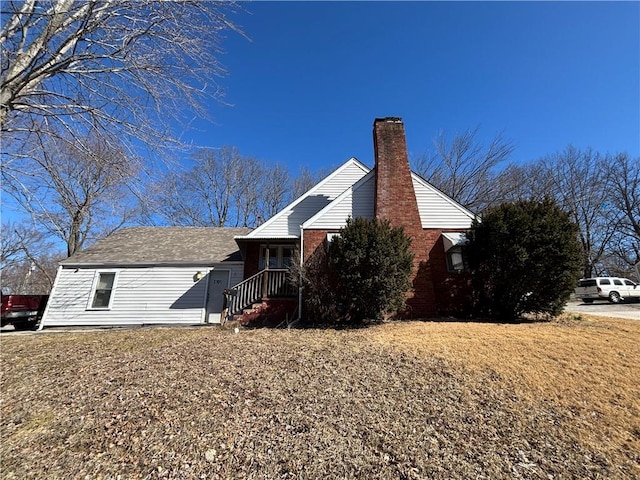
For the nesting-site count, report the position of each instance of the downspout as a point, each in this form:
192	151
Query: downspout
300	274
53	289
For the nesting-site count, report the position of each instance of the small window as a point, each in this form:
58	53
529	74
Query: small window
605	281
102	293
630	283
590	282
617	282
332	235
456	260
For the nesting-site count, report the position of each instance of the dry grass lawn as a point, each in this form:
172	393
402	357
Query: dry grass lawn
402	400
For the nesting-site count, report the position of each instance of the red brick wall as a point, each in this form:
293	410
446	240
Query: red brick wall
251	259
312	240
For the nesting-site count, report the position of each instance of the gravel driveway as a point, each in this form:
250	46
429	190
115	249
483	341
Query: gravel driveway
630	310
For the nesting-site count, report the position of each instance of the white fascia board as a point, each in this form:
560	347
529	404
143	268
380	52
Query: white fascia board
444	196
267	237
98	265
256	233
338	199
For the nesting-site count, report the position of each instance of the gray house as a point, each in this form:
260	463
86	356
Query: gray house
144	275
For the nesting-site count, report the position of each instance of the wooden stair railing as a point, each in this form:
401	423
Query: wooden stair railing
264	284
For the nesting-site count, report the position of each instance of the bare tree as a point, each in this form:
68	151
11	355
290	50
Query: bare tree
307	179
246	194
464	168
11	245
126	66
602	194
625	181
624	207
75	75
275	190
581	186
221	188
73	189
27	263
530	181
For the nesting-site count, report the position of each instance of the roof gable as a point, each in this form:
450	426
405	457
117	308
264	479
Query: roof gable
355	201
436	209
286	223
162	245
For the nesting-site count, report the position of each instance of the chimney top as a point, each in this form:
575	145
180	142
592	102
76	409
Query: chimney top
388	120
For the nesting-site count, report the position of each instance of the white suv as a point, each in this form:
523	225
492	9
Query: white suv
613	289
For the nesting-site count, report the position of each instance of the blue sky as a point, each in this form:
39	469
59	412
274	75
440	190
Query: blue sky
306	89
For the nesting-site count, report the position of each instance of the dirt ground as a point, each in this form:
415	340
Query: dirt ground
432	400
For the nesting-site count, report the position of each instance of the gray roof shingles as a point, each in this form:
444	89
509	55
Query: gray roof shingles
162	245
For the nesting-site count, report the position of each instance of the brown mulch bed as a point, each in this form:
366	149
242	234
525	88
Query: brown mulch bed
432	400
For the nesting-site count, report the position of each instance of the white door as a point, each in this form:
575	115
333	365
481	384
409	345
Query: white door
218	282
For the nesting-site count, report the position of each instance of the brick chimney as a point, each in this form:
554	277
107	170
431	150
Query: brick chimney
395	200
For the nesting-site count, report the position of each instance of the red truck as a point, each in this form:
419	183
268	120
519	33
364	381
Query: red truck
22	311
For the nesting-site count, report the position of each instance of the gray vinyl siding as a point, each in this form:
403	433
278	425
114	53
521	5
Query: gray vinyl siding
142	295
287	222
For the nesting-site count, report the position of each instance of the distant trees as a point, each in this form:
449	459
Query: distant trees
601	192
524	257
362	274
222	187
625	207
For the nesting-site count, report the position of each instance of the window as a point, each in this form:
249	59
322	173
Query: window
605	281
617	282
456	260
287	256
332	235
280	256
630	283
102	293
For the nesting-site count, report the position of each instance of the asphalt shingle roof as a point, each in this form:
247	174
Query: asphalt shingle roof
162	245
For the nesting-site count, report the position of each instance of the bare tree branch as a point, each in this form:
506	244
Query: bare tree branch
73	190
134	67
27	264
465	169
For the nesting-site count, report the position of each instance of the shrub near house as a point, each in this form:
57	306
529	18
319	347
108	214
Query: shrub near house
367	268
524	258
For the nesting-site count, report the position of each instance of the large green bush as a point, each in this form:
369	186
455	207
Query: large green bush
524	257
362	274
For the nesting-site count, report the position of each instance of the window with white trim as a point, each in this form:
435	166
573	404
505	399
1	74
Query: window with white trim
104	286
280	256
